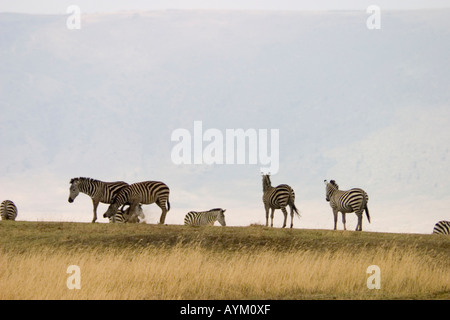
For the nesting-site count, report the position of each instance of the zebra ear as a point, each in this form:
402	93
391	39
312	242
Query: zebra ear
325	181
224	210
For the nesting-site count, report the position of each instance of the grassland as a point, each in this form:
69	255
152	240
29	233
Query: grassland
178	262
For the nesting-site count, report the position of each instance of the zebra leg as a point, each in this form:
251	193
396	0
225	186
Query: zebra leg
95	203
164	211
292	217
267	215
343	220
335	213
359	226
271	216
285	216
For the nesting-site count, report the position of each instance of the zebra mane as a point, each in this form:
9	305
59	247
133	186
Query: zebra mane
82	179
216	209
332	182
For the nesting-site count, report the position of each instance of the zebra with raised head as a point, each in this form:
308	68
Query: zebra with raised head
442	227
146	192
99	191
278	197
353	200
8	210
126	217
205	218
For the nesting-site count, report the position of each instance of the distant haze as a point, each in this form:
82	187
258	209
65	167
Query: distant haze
367	108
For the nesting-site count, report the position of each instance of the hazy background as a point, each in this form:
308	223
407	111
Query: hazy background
368	108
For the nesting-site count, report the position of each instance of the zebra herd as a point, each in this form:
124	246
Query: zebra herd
120	194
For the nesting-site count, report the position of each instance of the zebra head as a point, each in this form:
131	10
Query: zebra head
112	210
267	184
330	188
74	190
221	217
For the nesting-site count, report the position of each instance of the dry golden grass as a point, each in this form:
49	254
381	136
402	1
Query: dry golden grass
182	272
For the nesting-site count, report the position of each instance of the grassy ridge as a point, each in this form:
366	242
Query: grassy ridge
178	262
25	235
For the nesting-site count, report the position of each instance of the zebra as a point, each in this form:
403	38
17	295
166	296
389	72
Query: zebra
146	192
278	198
442	227
353	200
194	218
8	210
99	191
124	216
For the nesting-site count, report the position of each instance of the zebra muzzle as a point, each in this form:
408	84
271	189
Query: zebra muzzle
70	200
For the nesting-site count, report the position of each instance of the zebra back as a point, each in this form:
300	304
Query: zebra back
104	192
8	210
147	191
203	218
442	227
279	197
353	199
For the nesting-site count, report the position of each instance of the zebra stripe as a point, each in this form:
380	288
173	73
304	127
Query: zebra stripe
442	227
146	192
8	210
204	218
353	200
124	216
99	191
278	198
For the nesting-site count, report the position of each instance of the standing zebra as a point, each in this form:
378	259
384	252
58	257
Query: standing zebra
204	218
146	192
278	198
124	216
353	200
442	227
99	191
8	210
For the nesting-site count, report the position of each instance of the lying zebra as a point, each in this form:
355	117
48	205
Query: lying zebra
204	218
124	216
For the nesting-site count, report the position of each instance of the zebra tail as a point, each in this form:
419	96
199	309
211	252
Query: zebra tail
294	208
168	205
367	212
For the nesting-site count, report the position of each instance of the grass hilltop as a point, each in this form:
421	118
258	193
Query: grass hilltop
139	261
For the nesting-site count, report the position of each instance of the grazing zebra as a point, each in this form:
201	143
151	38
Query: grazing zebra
124	216
353	200
442	227
146	192
204	218
99	191
278	198
8	210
